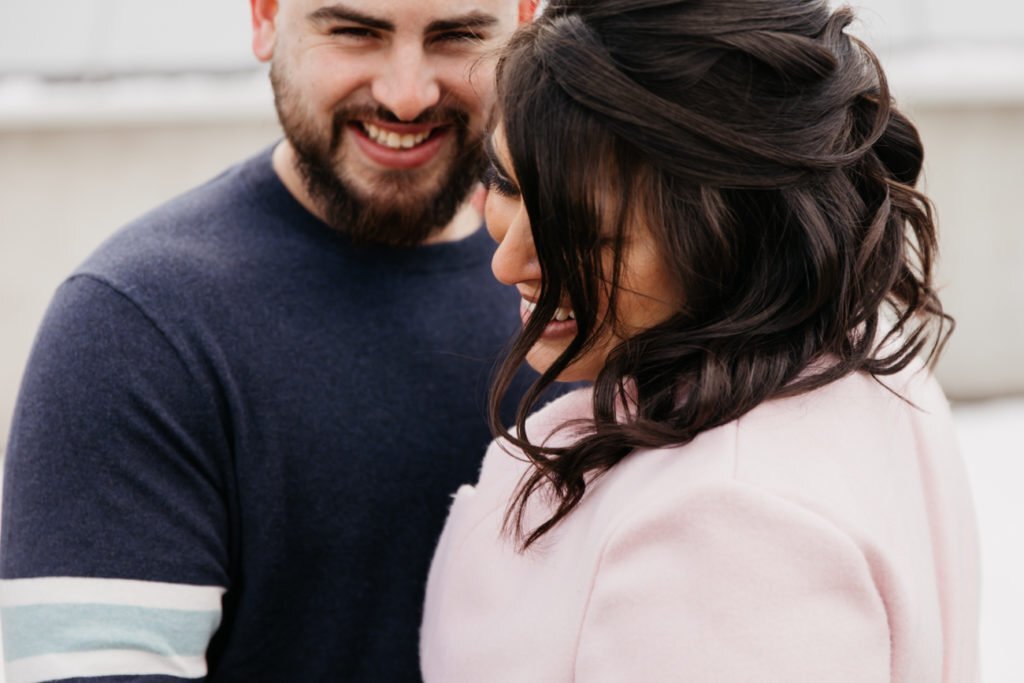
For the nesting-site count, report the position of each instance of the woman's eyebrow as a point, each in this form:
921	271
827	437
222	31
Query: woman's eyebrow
492	156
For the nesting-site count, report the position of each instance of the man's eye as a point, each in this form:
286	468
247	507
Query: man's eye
358	32
457	37
496	182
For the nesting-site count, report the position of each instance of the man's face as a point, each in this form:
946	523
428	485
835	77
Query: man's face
385	103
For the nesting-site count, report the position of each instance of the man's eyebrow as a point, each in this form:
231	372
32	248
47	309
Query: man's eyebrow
471	20
342	13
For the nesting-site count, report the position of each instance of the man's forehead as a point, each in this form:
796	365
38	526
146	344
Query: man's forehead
413	12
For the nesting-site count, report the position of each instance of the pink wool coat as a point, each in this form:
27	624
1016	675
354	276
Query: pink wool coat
823	538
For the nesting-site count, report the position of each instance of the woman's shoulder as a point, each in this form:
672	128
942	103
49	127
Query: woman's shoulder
850	450
860	421
550	421
504	462
868	455
854	489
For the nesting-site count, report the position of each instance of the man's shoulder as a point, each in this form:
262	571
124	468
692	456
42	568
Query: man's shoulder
189	262
191	231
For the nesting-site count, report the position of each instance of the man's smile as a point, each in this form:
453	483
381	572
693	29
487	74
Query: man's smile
399	145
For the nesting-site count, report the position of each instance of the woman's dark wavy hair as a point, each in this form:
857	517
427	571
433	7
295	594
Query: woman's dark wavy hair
758	143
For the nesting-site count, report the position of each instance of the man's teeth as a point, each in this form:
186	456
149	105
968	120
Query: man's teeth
392	139
561	314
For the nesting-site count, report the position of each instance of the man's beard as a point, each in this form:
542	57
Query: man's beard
399	212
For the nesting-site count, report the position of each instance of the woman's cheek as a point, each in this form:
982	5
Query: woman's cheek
498	215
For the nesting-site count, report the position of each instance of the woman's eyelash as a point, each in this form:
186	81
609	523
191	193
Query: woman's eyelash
496	182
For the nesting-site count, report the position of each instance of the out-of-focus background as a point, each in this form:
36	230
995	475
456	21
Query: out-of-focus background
108	107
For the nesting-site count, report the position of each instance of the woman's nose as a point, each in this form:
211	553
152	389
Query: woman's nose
515	260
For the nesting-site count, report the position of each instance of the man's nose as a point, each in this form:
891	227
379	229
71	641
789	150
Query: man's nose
408	85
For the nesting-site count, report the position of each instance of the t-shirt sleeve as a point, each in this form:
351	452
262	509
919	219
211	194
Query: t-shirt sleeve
115	536
733	585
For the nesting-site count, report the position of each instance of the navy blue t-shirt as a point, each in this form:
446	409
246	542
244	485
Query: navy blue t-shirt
235	445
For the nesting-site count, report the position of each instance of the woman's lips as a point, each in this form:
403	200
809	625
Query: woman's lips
555	329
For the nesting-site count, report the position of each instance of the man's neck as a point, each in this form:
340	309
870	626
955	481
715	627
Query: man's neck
466	221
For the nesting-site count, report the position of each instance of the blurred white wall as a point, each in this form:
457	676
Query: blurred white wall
69	38
973	173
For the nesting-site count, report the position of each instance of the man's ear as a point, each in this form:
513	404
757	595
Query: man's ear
264	28
527	10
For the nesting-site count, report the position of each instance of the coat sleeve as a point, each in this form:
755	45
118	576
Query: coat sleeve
114	553
733	584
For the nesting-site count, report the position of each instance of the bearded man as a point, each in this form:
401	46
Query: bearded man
245	413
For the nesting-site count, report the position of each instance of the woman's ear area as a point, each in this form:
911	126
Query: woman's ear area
264	28
527	10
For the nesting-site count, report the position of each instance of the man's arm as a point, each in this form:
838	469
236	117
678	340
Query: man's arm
114	552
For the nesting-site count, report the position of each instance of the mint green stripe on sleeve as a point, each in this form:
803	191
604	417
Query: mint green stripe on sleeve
33	630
